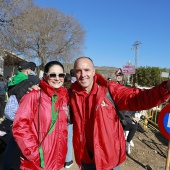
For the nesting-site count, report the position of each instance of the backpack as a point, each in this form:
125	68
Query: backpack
121	117
11	107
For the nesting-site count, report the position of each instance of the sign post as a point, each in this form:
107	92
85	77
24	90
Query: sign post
168	157
128	69
164	127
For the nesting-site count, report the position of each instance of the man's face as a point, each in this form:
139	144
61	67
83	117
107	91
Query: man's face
84	72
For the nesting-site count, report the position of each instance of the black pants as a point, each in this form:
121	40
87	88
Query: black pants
2	105
12	155
132	128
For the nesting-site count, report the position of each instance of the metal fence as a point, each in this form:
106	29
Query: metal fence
151	116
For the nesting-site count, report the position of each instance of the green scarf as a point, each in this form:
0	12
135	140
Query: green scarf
18	78
54	118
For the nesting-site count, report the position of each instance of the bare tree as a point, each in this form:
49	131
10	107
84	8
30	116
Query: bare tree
47	34
10	9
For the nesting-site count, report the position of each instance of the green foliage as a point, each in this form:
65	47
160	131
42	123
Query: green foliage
148	76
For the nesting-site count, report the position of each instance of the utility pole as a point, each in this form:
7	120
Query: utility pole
136	46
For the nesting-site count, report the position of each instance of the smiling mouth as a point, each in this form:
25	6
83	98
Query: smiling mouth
83	81
56	82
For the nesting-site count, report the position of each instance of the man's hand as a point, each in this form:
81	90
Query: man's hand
34	87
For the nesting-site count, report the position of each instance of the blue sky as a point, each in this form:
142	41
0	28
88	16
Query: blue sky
113	26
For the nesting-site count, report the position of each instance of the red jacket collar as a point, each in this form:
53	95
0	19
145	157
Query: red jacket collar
50	90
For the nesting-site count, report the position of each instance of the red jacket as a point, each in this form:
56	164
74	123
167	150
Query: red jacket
108	137
25	128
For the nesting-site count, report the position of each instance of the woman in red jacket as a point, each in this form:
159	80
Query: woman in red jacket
40	124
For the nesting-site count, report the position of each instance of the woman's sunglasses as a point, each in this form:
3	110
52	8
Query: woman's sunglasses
54	75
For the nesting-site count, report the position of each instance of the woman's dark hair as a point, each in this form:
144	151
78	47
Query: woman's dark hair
50	64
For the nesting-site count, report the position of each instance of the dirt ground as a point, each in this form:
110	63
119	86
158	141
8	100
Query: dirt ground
149	152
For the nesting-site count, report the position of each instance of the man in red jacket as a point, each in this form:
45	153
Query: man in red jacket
98	137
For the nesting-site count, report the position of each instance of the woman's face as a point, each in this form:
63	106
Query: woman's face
55	76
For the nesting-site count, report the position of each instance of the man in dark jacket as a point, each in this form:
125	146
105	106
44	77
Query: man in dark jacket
98	137
18	86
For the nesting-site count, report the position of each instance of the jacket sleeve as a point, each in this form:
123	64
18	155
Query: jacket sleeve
23	127
134	99
20	89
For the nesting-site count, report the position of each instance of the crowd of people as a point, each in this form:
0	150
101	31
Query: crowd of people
41	127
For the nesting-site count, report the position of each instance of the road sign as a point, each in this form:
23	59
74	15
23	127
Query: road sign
128	71
165	74
119	78
164	121
118	72
128	67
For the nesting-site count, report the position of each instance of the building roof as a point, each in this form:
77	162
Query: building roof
11	59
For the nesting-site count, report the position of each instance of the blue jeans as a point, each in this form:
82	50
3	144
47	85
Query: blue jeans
93	167
69	144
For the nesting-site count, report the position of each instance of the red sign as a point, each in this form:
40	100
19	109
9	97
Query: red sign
128	67
164	121
128	71
118	72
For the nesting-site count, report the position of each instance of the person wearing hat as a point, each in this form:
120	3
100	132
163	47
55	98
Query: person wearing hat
18	86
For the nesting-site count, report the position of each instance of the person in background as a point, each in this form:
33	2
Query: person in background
3	89
33	76
98	137
40	124
18	86
130	128
73	77
69	157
